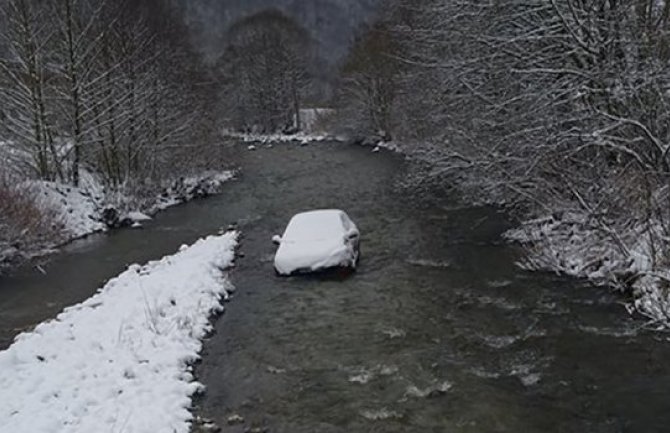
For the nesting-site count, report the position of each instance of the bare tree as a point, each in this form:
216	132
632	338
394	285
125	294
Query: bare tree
111	87
370	79
551	105
26	86
264	72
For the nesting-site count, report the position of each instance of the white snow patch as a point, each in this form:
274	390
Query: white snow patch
299	137
577	245
77	208
388	145
120	361
137	216
188	188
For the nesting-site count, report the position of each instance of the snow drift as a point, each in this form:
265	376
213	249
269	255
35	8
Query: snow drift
120	361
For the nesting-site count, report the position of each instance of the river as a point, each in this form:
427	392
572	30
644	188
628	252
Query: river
436	331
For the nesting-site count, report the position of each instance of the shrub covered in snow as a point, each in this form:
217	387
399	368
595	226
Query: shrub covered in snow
25	227
630	256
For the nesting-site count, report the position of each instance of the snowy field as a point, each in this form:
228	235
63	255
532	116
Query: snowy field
121	360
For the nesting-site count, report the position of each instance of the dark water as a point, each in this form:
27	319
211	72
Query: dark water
436	332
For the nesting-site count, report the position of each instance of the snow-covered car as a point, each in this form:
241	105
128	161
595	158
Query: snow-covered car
317	240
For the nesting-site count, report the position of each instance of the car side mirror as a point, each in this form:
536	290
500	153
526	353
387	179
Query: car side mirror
276	239
351	235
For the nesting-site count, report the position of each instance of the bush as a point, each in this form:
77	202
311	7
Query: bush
24	227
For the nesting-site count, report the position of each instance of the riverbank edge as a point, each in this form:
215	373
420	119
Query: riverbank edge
175	301
569	243
104	211
574	243
302	138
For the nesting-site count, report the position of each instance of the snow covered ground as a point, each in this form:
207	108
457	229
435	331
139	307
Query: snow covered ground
300	137
186	189
121	360
572	244
80	211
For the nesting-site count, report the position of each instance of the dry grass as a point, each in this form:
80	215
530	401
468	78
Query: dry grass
24	227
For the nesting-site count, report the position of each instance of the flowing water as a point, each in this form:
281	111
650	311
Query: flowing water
437	331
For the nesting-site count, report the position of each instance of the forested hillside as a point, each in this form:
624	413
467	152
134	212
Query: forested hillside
332	23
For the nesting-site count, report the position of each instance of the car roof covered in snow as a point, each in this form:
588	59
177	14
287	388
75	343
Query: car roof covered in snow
316	224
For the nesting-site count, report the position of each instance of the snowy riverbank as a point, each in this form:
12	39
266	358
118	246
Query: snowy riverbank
75	212
624	258
299	137
120	361
622	255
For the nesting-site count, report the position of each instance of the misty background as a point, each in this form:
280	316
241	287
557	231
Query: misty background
333	24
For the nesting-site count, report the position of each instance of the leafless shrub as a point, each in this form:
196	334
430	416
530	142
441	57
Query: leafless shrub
23	225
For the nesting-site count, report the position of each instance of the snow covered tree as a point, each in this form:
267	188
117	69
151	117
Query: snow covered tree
552	105
76	45
110	86
26	86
